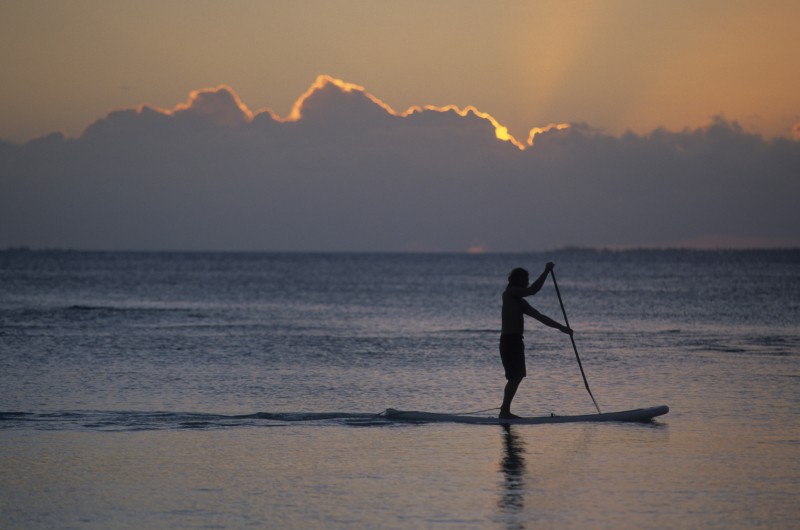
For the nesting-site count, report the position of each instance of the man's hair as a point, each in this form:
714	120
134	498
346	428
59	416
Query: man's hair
518	276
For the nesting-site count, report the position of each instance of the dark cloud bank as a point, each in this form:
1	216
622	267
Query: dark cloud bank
351	175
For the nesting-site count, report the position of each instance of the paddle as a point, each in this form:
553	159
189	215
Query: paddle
566	321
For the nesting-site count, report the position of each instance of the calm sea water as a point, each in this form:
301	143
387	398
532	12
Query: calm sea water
192	390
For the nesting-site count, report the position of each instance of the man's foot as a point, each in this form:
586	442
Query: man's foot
506	415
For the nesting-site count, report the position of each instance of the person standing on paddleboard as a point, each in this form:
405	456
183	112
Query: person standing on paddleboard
512	347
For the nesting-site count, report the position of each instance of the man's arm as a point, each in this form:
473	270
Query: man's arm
544	319
536	286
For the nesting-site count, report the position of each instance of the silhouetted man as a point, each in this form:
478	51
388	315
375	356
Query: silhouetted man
512	347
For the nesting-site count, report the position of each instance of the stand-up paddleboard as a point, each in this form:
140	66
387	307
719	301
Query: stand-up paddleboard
636	415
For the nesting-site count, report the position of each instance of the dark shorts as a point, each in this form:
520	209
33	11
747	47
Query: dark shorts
512	353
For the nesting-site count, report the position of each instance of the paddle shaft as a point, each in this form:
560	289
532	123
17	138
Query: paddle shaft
575	348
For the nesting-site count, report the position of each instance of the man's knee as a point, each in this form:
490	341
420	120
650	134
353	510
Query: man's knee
514	381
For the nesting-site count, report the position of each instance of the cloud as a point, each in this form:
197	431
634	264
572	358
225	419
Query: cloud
345	171
328	94
221	105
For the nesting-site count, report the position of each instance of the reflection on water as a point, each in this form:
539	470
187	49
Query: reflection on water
538	479
512	496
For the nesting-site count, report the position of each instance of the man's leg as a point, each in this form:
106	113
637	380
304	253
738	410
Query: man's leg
508	395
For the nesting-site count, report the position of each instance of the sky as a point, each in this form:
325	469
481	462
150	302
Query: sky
617	65
672	123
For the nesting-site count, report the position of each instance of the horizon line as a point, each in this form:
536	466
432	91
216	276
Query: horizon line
564	248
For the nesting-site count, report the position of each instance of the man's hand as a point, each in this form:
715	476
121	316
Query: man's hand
549	266
567	330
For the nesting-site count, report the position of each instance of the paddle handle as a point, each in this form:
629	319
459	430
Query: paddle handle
572	338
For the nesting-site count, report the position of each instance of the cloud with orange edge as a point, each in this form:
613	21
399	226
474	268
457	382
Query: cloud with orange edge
223	106
501	131
221	103
321	83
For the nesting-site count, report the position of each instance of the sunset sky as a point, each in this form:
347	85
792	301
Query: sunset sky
370	125
614	64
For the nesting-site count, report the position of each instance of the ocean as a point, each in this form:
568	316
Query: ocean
245	390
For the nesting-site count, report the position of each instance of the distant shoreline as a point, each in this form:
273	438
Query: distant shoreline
559	250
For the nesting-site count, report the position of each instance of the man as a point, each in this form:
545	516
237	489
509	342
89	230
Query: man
512	347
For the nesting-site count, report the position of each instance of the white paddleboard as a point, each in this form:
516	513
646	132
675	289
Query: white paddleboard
636	415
